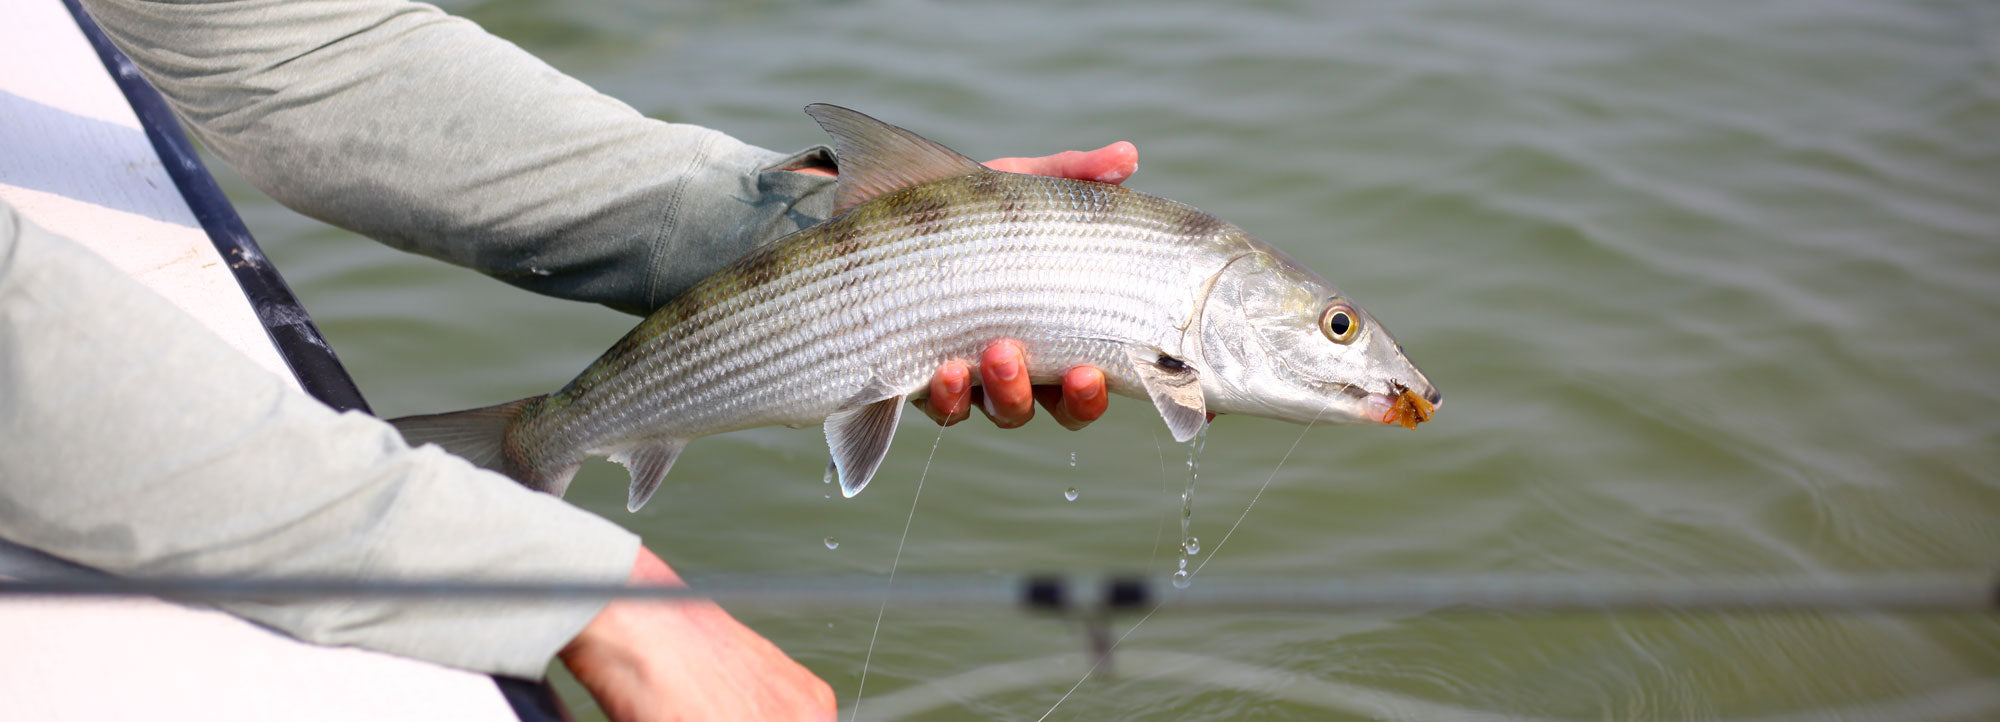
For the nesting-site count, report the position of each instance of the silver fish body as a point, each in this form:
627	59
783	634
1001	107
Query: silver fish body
931	258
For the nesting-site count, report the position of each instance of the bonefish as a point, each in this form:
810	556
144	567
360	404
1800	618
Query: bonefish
931	256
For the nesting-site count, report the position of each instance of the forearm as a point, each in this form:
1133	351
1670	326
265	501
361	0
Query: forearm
688	660
139	443
423	131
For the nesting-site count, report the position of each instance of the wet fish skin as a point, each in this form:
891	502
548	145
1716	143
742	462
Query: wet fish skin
930	257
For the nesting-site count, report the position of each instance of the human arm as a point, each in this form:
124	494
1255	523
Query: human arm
419	129
423	131
722	671
138	442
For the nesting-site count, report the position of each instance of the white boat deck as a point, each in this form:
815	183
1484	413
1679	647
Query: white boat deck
75	159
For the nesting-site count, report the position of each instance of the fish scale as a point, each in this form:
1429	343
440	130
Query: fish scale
901	325
931	258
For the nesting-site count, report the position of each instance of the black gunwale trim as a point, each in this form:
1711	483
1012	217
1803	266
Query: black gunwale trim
291	329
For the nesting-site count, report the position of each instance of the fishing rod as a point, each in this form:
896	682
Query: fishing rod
1092	594
1094	599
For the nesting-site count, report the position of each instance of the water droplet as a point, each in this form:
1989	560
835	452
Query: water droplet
832	543
539	271
1187	495
1183	564
1181	580
1191	545
1072	459
1070	493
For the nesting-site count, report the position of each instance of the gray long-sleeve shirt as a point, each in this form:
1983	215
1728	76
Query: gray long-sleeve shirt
398	121
138	442
421	130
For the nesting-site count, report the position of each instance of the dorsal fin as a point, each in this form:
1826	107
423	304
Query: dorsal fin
877	158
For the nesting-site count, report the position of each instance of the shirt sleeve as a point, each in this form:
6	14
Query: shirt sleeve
421	130
139	443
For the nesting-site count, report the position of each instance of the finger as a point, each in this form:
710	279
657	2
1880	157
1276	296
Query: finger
1084	393
1110	164
1003	376
950	394
1080	400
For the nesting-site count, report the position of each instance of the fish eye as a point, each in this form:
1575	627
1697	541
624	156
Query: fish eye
1340	324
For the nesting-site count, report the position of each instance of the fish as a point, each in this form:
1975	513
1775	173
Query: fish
929	257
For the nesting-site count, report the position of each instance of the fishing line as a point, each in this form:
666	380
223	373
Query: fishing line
1923	592
890	587
1197	568
1255	497
1276	684
1159	529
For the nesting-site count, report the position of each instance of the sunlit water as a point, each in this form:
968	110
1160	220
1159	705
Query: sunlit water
1708	287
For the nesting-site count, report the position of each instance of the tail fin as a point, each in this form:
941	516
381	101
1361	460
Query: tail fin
480	436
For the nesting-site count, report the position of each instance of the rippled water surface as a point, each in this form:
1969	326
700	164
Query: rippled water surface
1709	287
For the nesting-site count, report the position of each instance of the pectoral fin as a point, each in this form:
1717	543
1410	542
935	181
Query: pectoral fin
859	438
648	464
1175	389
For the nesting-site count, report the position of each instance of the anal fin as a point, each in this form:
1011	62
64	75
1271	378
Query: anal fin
859	439
649	464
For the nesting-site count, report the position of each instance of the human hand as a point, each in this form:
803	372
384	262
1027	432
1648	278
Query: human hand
1004	392
1004	395
1110	164
687	660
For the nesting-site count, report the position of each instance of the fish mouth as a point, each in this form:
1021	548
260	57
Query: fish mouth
1398	405
1402	406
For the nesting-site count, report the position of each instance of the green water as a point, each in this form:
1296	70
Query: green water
1708	286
